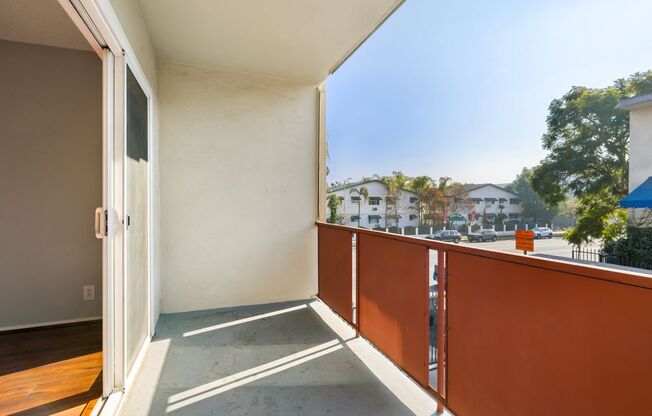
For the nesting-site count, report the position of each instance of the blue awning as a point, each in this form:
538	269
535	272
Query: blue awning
640	197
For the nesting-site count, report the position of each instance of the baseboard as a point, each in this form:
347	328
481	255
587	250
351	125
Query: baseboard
47	325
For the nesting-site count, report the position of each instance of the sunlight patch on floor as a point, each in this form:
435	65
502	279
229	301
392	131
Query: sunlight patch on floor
242	321
196	394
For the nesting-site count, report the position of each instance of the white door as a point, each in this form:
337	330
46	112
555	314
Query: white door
136	218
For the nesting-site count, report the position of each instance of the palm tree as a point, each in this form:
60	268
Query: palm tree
362	193
444	183
420	185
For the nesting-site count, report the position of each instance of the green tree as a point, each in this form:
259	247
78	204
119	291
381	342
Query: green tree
420	185
534	206
392	199
587	141
333	203
363	192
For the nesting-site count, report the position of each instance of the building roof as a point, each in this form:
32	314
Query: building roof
360	183
635	102
468	187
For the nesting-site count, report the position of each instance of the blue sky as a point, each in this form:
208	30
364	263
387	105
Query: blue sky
461	88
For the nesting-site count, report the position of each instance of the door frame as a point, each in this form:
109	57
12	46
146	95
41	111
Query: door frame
98	23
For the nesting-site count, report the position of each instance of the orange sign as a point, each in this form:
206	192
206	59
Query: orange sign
525	240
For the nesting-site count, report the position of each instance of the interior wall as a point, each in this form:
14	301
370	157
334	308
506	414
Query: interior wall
50	183
239	156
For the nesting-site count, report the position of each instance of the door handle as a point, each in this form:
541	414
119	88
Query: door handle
100	223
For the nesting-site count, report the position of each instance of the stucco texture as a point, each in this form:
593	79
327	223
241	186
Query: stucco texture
238	188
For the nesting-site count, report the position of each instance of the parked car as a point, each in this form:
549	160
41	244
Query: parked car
542	232
446	235
483	235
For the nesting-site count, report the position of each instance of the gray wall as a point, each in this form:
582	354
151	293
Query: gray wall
50	183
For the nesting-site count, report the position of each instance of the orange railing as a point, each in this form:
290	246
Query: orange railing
517	335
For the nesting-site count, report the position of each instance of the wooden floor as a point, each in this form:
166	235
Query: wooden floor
53	371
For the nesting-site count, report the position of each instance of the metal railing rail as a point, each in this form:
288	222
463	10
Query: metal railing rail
627	296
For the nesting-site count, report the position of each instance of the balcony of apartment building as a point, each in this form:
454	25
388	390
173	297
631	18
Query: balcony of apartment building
257	307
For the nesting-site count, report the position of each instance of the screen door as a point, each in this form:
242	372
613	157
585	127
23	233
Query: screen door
136	221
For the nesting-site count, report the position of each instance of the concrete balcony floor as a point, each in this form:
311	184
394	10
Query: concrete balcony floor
293	358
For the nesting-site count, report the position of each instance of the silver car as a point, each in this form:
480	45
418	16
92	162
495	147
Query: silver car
542	232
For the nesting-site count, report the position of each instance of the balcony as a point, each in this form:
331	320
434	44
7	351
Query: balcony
281	359
515	335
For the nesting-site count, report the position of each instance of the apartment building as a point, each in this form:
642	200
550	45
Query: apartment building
485	202
640	157
377	210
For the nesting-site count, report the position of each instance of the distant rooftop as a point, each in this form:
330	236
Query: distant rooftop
359	183
635	102
468	187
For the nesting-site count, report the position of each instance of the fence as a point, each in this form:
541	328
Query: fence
510	329
598	256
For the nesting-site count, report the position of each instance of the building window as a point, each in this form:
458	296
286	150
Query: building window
355	218
514	201
514	216
476	200
390	200
413	199
490	200
413	217
374	200
355	199
374	219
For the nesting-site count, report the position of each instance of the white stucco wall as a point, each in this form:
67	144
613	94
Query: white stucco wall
238	188
640	146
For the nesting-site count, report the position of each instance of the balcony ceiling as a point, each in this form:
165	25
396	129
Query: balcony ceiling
40	22
298	40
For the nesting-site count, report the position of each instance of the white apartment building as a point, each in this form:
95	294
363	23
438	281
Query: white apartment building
376	210
640	157
488	200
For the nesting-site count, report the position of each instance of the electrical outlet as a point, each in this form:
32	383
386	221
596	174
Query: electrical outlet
89	292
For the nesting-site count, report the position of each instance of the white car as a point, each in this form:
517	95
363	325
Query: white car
542	232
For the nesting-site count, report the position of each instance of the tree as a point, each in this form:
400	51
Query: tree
420	185
534	206
444	183
392	199
362	193
435	203
333	202
568	208
587	141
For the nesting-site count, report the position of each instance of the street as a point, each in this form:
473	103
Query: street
555	246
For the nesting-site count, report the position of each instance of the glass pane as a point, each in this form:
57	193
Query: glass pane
137	241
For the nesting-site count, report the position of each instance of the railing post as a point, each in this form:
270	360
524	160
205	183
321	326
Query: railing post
357	285
441	326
